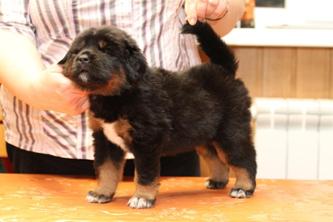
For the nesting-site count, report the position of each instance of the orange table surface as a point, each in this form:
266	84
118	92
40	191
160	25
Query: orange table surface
62	198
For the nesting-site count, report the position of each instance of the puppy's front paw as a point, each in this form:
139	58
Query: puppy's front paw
240	193
212	184
140	202
93	197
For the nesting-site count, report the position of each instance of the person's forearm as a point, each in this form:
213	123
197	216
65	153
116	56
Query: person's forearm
227	23
19	63
23	75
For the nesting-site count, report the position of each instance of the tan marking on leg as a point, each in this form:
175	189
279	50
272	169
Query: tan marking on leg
108	177
242	179
94	123
146	191
222	156
218	170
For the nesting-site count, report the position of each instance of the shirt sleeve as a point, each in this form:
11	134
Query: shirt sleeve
15	17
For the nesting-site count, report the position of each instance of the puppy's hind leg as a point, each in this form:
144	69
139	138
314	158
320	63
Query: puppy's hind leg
244	166
109	164
235	145
241	158
218	169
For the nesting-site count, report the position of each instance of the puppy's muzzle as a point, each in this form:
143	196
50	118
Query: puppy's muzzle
84	71
83	58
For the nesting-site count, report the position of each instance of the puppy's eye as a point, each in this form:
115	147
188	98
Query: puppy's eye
102	44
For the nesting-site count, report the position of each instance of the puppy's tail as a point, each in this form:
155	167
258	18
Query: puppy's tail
214	47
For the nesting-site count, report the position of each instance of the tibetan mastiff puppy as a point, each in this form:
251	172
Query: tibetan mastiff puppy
152	112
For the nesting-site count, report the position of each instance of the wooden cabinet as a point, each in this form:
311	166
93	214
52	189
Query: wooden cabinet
286	72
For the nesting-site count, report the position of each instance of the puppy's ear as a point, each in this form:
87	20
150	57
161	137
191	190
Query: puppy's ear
136	62
64	60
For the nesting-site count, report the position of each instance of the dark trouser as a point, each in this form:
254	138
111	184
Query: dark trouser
186	164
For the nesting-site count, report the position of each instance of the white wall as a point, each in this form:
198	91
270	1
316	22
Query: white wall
296	12
311	9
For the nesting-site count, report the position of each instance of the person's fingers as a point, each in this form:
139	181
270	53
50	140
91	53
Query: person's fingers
190	11
84	105
56	68
217	8
212	5
64	85
81	105
201	9
76	91
75	105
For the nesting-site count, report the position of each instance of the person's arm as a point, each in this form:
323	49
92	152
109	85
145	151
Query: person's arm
23	75
225	12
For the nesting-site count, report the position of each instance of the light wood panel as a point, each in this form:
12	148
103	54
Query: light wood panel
312	73
287	72
278	68
331	73
250	68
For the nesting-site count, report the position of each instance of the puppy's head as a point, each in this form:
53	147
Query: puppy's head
104	61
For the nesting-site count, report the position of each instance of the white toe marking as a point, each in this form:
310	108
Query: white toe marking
91	199
238	193
139	203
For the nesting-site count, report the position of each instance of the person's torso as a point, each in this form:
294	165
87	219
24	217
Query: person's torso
155	25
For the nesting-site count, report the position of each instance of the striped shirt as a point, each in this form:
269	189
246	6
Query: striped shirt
52	26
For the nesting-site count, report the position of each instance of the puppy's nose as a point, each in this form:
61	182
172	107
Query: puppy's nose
84	58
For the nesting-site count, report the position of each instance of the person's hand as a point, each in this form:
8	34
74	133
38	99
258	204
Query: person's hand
51	90
205	10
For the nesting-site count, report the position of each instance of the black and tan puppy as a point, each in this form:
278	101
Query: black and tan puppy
152	112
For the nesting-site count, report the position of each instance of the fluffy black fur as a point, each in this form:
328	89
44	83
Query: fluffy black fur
165	112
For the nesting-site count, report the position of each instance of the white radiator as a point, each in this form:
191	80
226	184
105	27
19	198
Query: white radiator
294	138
